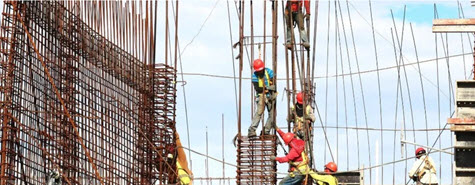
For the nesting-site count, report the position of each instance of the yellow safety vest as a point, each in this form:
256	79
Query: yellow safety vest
182	175
261	80
302	165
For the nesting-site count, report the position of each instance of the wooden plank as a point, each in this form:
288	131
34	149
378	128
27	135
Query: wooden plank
453	28
461	121
442	22
463	128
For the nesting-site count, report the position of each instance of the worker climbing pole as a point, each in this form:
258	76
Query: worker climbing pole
257	150
254	150
301	111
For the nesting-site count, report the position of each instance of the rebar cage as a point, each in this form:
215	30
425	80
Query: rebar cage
74	102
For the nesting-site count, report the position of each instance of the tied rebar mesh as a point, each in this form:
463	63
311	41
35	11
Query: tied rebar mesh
121	110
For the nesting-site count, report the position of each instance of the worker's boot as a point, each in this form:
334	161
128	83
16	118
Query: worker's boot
251	134
288	45
265	133
306	45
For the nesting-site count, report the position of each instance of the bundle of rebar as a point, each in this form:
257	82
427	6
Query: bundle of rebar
73	100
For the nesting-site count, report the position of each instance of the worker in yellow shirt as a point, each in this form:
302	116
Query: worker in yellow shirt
184	174
327	179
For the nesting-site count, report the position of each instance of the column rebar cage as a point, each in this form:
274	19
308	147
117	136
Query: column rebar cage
74	102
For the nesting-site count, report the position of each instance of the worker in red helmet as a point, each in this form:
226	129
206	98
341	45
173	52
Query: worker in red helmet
263	81
294	14
298	117
296	157
299	163
423	170
328	178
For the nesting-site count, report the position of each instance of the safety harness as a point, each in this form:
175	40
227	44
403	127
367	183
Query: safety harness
298	123
261	80
301	166
428	166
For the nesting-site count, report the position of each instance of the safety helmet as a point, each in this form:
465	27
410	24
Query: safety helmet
300	98
420	151
288	137
331	167
258	65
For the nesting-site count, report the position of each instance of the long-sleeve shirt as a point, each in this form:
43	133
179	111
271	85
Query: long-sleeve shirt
325	179
296	148
295	5
421	165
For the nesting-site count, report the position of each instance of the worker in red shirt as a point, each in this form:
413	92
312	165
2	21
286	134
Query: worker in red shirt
296	157
299	161
293	13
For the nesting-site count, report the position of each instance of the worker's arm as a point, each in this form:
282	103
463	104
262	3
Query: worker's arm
432	164
257	88
271	79
290	118
307	6
328	179
293	154
415	169
310	115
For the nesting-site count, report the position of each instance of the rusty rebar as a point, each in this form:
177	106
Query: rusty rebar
80	94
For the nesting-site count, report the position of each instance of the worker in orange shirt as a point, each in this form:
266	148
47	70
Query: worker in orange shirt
294	13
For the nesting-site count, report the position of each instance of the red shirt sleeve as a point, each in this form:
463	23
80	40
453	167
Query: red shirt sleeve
293	154
307	6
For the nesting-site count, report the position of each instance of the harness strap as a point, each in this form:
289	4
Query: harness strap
261	81
428	166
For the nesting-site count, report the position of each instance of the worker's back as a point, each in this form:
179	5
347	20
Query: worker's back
425	168
327	180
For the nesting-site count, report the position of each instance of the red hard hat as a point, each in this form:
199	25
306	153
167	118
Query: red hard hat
300	98
288	137
258	65
331	166
420	151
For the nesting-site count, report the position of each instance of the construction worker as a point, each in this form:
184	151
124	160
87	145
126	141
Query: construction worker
183	172
293	13
263	80
423	170
327	179
183	175
296	116
297	158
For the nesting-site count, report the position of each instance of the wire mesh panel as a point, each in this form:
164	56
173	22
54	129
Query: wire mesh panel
75	103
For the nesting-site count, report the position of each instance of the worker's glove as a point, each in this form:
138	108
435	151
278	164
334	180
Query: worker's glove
415	178
307	16
272	158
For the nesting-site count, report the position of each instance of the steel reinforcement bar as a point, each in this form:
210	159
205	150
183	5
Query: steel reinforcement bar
121	108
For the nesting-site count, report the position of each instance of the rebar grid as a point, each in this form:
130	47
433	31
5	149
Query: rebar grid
254	159
122	109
